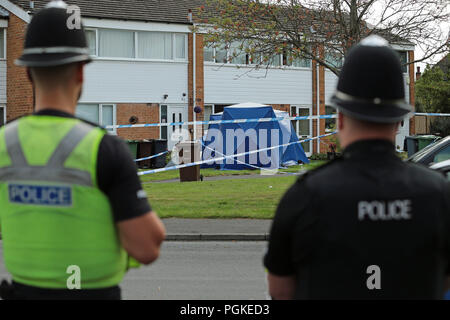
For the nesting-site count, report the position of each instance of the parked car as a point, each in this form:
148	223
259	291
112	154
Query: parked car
443	167
433	153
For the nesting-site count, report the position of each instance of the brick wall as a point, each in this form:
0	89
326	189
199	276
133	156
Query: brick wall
19	90
282	107
199	73
146	113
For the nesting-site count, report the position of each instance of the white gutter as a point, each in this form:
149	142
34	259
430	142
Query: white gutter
15	10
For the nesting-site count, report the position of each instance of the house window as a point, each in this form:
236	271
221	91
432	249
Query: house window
238	55
334	59
209	110
208	54
91	36
302	127
2	115
330	124
276	60
180	46
297	62
116	43
163	119
155	45
403	55
2	43
101	114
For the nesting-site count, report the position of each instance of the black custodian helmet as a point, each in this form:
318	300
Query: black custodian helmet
51	42
371	84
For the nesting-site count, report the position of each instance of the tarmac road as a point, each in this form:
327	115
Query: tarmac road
200	270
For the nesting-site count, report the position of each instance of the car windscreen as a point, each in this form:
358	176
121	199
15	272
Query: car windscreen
422	153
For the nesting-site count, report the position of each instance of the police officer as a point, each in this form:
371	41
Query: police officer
367	225
72	206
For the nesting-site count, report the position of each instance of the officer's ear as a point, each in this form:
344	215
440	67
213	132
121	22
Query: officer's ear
340	122
80	72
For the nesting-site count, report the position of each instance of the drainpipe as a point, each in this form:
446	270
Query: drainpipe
194	84
318	105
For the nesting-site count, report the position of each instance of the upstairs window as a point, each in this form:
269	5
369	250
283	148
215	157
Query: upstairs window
2	43
335	59
208	54
295	61
116	43
403	56
91	37
180	46
155	45
238	55
221	54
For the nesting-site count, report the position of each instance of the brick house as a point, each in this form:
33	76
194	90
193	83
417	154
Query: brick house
143	71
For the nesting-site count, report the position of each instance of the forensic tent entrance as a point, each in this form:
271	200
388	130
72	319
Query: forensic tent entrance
230	138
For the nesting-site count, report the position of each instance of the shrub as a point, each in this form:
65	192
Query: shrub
440	127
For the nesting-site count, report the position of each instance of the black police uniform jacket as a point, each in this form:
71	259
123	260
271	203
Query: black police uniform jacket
365	226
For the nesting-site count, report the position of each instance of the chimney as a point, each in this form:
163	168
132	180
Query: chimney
31	4
418	73
190	15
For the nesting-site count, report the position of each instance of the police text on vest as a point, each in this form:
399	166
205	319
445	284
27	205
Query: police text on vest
40	195
384	210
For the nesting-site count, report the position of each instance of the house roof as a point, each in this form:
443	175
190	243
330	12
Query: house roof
3	13
169	11
444	64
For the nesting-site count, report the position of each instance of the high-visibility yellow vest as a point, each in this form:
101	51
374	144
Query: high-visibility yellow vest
52	213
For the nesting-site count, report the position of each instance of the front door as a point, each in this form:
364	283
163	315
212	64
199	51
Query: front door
179	132
403	131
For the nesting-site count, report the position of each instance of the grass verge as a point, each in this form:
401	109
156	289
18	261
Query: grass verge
175	174
223	199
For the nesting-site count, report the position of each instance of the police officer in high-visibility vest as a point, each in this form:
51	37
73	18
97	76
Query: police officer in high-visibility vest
73	212
367	225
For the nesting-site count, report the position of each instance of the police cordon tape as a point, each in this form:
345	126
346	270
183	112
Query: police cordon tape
218	122
171	124
237	160
151	157
432	114
186	165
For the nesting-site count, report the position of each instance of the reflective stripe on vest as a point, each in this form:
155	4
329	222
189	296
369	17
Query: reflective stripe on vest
54	170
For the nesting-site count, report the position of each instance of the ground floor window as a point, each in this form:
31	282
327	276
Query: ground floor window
101	114
209	110
302	127
330	124
163	119
2	115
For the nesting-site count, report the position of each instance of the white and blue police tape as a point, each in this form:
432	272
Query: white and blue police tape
181	166
219	122
151	157
242	162
432	114
234	121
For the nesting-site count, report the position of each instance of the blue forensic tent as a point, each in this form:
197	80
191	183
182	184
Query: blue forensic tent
237	138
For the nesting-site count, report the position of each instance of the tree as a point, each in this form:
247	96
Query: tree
433	91
323	30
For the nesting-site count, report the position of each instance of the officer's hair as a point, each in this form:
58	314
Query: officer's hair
53	77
